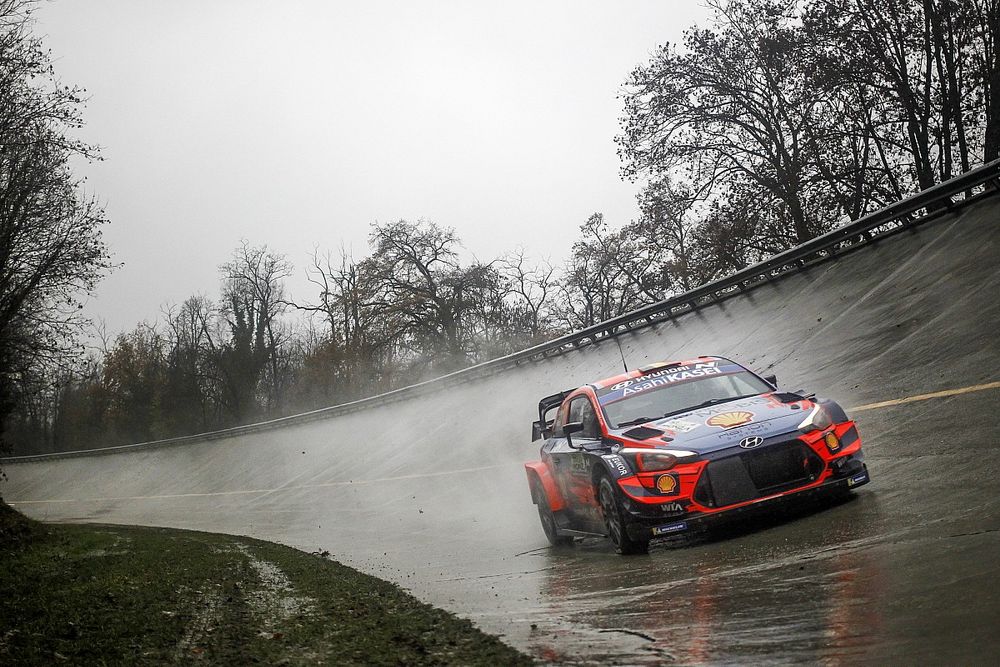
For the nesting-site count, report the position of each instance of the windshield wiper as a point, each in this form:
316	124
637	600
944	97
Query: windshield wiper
637	420
705	404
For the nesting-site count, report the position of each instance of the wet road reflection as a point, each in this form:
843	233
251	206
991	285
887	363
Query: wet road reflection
871	579
735	595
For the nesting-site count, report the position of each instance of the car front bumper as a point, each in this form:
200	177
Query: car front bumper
645	524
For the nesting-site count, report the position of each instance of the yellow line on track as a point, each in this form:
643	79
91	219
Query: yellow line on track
925	397
319	485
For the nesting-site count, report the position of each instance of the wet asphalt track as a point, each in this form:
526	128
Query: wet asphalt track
430	492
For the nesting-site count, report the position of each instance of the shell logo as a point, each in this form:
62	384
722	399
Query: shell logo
666	483
730	419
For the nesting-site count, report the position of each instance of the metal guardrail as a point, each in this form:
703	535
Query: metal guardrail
891	219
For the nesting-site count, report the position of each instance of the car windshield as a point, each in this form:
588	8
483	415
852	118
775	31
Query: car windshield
675	390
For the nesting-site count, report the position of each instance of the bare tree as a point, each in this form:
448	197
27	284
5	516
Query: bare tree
602	280
534	287
425	284
362	336
51	249
253	298
731	106
190	382
984	68
921	69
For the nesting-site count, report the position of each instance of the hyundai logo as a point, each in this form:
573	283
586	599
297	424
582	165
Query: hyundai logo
750	443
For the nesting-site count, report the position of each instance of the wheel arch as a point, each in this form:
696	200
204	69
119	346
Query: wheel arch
837	413
612	466
538	470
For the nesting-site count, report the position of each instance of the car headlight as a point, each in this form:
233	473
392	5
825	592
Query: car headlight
817	420
653	460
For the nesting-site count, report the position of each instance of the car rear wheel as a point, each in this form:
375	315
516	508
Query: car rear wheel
546	516
615	523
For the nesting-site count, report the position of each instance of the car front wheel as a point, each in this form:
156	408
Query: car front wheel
615	523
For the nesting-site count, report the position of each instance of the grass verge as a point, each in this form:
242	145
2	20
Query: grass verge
86	594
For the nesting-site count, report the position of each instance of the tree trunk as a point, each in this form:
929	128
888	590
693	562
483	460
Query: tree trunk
991	84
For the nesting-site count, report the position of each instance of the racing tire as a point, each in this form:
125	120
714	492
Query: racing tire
615	522
546	516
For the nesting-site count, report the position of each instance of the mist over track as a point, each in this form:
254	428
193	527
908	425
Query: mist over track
429	491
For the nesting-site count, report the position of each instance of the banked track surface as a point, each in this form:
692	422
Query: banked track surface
429	492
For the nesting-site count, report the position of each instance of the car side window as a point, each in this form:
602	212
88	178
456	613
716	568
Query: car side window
582	410
557	424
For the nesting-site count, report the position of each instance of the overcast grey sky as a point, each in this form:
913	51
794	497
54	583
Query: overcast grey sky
298	124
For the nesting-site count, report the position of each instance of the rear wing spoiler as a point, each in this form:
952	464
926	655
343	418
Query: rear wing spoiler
543	427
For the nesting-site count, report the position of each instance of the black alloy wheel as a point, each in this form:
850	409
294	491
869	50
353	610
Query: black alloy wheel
546	517
614	521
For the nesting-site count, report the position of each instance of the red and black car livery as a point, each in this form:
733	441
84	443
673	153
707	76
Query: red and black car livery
673	446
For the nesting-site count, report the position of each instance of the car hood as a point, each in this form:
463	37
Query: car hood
705	430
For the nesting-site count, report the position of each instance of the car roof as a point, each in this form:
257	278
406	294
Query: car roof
652	368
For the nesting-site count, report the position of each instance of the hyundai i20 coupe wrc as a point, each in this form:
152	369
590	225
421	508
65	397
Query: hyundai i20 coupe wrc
673	447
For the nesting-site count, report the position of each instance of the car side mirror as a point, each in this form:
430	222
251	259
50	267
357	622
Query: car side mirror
771	380
569	429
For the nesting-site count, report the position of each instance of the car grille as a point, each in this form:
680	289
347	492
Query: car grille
754	474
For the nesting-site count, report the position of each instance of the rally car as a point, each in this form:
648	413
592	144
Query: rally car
672	447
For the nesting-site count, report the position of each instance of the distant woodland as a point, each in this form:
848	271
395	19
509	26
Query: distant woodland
776	122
